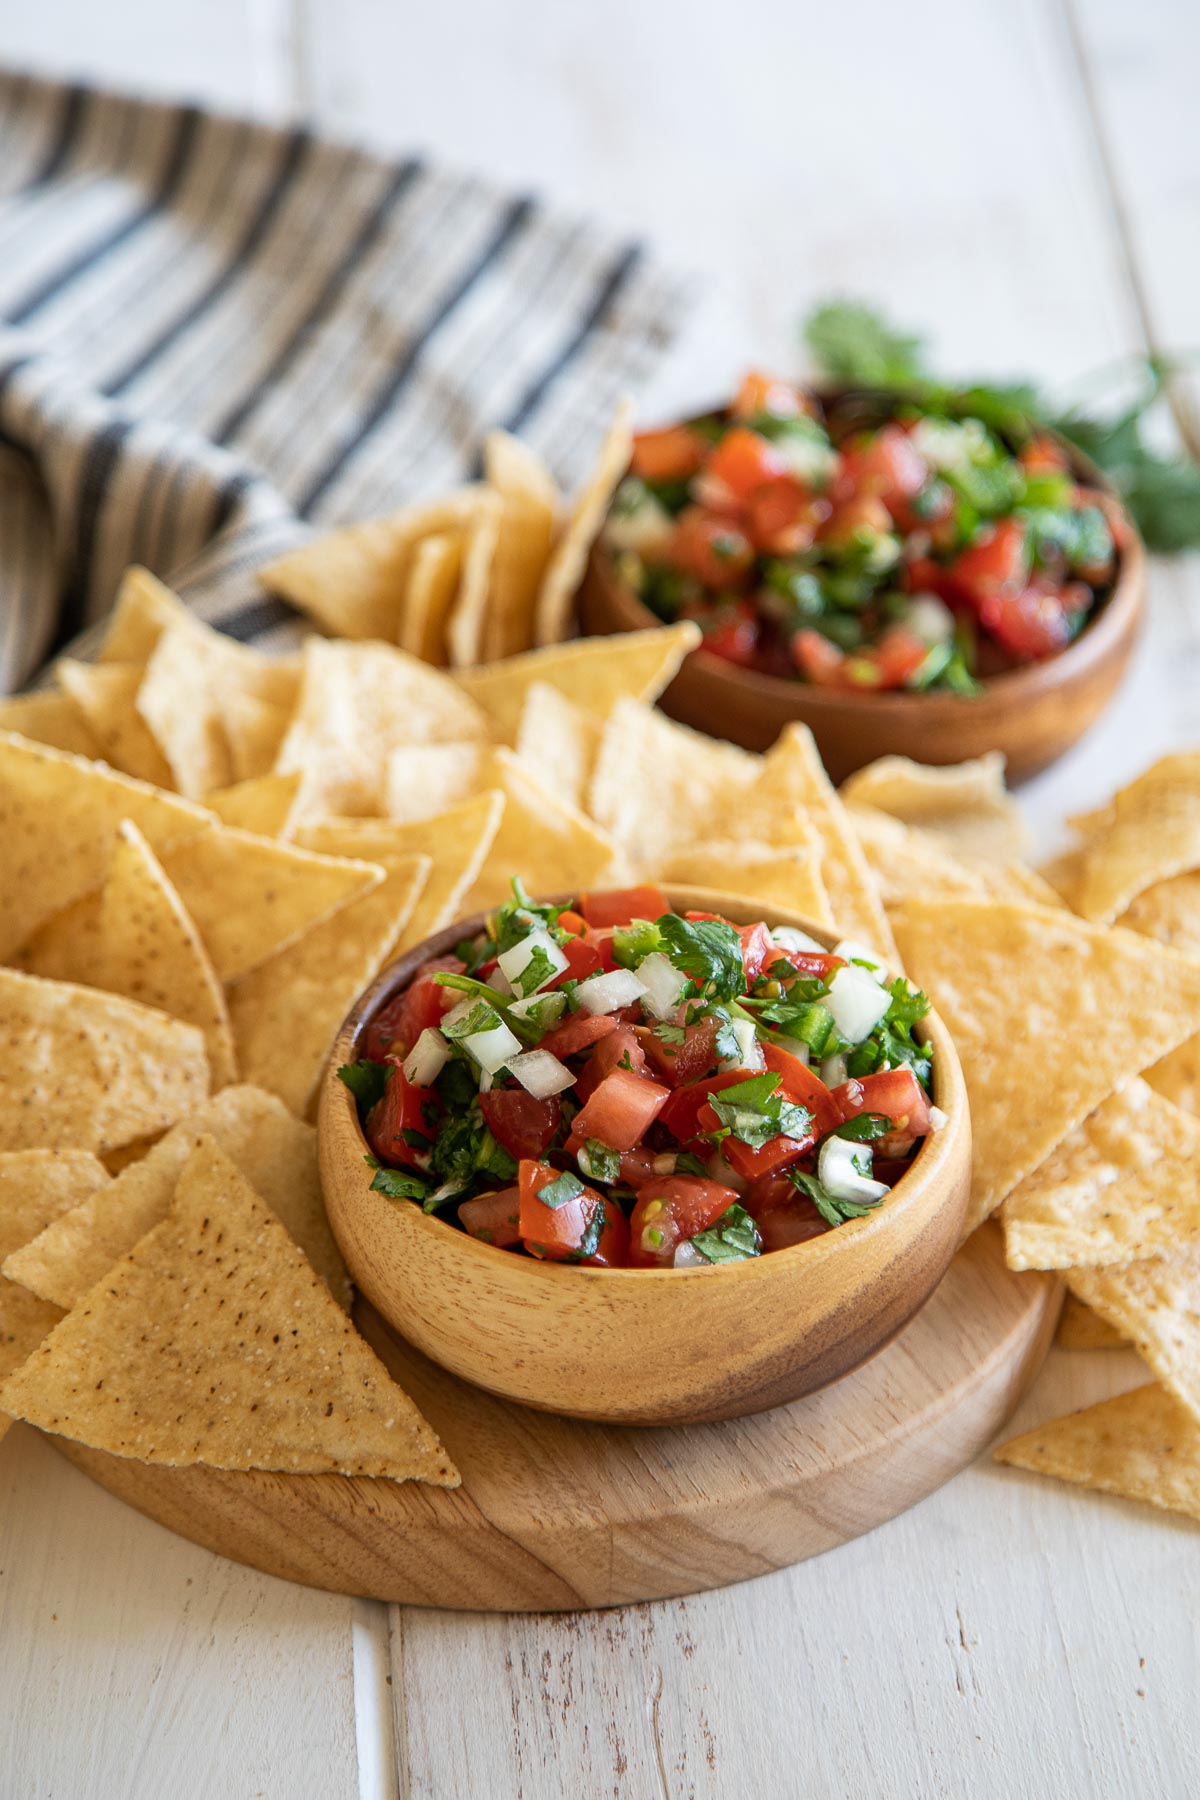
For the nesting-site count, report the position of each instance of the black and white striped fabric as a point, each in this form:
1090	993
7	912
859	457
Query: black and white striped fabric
216	335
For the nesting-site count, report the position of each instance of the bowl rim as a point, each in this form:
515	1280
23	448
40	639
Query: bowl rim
935	1153
1111	619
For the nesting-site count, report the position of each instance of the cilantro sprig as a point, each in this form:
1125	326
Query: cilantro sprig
834	1212
754	1112
366	1080
733	1238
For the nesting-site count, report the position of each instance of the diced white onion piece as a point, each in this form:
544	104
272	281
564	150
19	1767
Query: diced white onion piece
666	1163
548	1009
663	984
499	983
515	961
637	521
834	1071
427	1058
938	1120
853	952
930	619
610	992
857	1003
540	1073
687	1258
490	1049
789	937
840	1170
808	458
794	1046
750	1054
486	1081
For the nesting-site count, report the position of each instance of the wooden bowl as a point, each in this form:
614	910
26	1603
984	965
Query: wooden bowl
646	1346
1033	715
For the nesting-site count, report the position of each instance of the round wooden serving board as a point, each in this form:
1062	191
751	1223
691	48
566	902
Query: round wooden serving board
555	1514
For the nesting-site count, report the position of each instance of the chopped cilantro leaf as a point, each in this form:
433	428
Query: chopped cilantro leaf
666	1033
687	1163
466	1148
593	1232
603	1162
538	969
733	1238
399	1185
706	949
481	1017
564	1187
834	1212
366	1080
754	1113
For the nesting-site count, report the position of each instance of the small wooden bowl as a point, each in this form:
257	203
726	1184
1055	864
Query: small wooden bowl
646	1346
1033	715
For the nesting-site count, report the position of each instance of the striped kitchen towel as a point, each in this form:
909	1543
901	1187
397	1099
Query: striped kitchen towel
216	335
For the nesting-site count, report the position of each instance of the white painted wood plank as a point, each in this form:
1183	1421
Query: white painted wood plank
134	1664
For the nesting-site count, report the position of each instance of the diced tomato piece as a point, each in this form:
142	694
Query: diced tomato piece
403	1107
612	1252
899	1096
899	654
817	659
621	1110
733	634
669	455
782	516
761	393
711	548
814	965
676	1064
671	1210
798	1084
750	1163
1042	456
794	1223
998	563
1030	625
621	906
886	463
601	942
743	460
758	952
553	1232
804	1087
422	1004
583	959
520	1124
637	1165
621	1046
493	1218
575	1034
681	1114
572	921
863	516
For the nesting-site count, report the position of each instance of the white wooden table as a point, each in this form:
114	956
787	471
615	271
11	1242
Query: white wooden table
1023	177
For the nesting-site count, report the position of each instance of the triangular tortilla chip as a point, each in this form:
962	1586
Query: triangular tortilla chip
1079	1328
564	571
104	694
1168	911
464	627
531	501
553	848
1142	1445
1064	873
352	581
788	877
456	841
263	805
213	1341
287	1012
423	779
965	806
47	718
429	595
1154	834
143	610
1041	1008
88	1069
145	947
1177	1076
1156	1305
274	1151
560	742
1122	1186
594	672
58	821
905	860
193	676
358	702
36	1186
659	786
254	730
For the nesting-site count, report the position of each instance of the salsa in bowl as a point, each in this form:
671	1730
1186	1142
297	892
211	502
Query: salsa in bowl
564	1285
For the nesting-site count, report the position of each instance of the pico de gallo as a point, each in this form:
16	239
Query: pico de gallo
616	1084
863	544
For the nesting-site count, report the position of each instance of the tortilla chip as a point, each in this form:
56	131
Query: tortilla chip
143	610
791	802
35	1187
1154	834
193	678
564	571
358	702
551	846
139	941
1079	1328
464	628
456	841
58	821
254	731
213	1341
1035	1000
1156	1305
274	1151
1177	1076
1122	1186
593	672
352	581
905	860
437	564
658	786
966	806
1142	1445
47	718
264	805
88	1069
559	741
105	694
423	779
789	877
1169	911
287	1012
530	507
